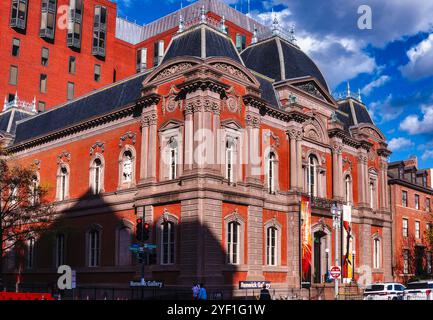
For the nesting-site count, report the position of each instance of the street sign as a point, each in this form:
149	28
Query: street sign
150	246
147	284
254	284
335	272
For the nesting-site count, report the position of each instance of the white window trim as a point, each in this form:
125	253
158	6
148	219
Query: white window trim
234	217
377	256
167	217
88	250
127	184
92	175
278	242
60	196
164	138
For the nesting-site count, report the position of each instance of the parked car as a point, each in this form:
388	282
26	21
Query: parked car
384	291
419	290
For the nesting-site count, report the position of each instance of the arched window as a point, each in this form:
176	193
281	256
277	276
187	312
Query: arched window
97	176
60	250
377	253
230	159
167	242
94	247
123	244
272	172
348	189
173	158
271	246
14	196
30	253
127	167
63	183
233	242
312	176
34	192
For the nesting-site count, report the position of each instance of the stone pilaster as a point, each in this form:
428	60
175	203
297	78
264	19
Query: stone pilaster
254	158
189	137
387	254
383	174
365	247
144	146
293	248
362	179
255	243
295	137
337	169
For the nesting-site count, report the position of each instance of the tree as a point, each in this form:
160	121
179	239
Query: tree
24	212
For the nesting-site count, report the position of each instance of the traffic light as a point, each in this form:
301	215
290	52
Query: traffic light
146	229
139	230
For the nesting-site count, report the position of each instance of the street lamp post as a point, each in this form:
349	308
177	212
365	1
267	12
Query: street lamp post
336	213
327	264
353	265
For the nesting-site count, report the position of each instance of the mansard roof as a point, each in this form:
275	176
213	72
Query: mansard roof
353	112
87	107
280	60
9	119
201	42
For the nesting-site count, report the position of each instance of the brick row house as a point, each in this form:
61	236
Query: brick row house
215	149
412	196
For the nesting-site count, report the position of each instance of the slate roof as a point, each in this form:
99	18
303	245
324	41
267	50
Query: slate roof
12	116
268	92
189	43
265	58
351	117
97	103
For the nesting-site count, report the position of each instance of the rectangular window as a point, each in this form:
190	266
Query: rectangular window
427	205
158	52
376	254
97	73
404	198
99	31
44	56
16	47
41	106
30	252
48	19
74	23
13	75
405	228
71	89
19	14
241	42
43	83
417	202
405	261
142	60
94	248
72	65
417	230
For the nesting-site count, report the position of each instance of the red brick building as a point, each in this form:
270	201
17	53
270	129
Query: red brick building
215	147
412	196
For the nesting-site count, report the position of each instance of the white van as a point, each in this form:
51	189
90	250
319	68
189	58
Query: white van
384	291
419	290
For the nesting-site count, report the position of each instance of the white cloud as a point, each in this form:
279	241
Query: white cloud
400	143
427	155
375	84
420	60
384	111
413	124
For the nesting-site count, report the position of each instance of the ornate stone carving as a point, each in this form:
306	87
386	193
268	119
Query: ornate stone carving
149	119
269	134
337	148
98	144
252	120
362	158
233	71
170	102
311	89
295	133
65	156
347	160
129	135
172	70
37	164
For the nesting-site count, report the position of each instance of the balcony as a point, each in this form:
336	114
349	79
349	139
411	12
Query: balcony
321	203
20	104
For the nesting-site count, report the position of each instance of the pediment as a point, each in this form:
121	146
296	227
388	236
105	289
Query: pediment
311	86
171	124
231	124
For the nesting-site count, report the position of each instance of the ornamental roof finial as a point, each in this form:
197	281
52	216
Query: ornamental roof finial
223	28
359	95
275	24
292	38
181	24
255	39
202	14
348	90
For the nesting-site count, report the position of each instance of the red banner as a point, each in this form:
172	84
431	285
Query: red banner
306	239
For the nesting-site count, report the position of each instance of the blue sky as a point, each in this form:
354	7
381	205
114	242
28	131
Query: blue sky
392	64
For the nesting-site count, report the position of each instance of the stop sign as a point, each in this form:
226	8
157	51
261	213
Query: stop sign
335	272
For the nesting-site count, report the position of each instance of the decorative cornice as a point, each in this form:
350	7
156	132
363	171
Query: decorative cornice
203	84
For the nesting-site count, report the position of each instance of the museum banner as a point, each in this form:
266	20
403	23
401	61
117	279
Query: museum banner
347	244
306	239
